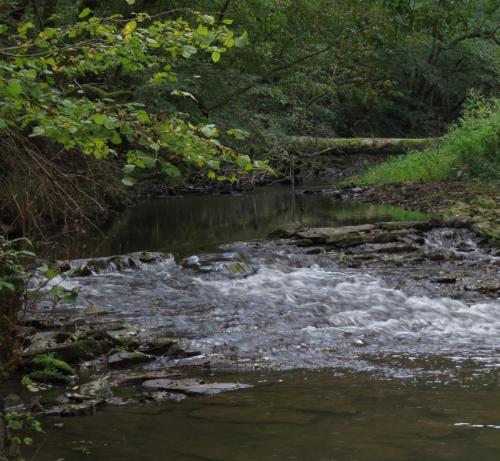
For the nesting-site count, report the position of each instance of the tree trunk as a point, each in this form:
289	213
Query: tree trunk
10	305
306	146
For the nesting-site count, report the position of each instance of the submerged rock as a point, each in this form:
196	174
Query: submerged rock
123	359
483	285
87	408
230	263
164	396
12	402
193	386
132	379
86	267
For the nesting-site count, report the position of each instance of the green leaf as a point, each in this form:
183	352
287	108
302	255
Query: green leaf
53	272
129	27
14	88
215	56
130	2
109	124
100	119
238	134
143	116
22	29
209	19
128	181
169	169
243	160
209	130
38	131
72	296
242	40
127	169
85	12
4	285
116	139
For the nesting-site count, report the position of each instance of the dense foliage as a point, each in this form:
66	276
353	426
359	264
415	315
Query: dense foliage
67	83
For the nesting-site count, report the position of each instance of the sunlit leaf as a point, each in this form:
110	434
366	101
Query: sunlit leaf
129	27
128	181
84	13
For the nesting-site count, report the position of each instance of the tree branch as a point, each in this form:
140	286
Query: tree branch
487	34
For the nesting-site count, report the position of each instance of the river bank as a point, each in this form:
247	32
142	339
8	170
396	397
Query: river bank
474	204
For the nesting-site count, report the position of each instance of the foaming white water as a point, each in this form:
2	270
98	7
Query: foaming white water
357	303
307	316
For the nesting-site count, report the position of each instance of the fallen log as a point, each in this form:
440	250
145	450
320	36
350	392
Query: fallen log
308	146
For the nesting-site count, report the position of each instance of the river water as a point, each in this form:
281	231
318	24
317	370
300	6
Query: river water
348	364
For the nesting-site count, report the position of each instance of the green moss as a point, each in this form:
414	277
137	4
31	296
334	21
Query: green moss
49	361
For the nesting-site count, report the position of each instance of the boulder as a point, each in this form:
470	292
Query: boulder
99	388
84	349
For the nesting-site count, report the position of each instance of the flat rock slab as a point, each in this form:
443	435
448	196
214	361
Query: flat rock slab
351	236
123	359
193	386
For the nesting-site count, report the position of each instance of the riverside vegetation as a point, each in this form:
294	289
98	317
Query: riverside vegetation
469	155
105	103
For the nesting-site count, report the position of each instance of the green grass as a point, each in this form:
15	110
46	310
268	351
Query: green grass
471	149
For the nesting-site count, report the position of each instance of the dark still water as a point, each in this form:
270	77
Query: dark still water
202	222
313	416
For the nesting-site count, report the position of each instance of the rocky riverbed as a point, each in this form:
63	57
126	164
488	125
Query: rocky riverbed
150	328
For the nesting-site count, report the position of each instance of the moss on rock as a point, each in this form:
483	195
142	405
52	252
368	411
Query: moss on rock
49	361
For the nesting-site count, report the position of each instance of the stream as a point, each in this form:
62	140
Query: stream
347	362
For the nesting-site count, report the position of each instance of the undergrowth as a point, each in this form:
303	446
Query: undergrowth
470	150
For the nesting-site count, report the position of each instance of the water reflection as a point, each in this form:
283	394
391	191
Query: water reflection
200	223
